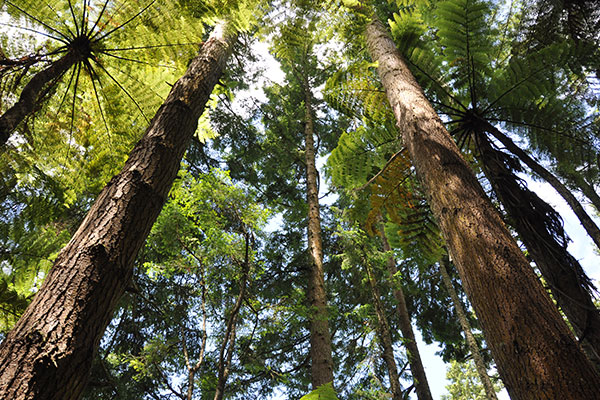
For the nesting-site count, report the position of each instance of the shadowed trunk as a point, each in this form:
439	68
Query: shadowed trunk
412	351
490	393
540	228
320	336
385	337
535	352
33	91
49	352
586	221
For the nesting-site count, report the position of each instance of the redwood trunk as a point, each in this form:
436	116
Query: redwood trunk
466	327
541	231
320	336
385	336
31	93
412	351
586	221
49	352
535	352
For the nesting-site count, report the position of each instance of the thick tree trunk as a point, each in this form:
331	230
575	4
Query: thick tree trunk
535	352
49	352
466	327
586	221
31	93
412	351
541	231
320	336
385	337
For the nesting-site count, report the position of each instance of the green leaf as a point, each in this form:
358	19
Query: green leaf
323	392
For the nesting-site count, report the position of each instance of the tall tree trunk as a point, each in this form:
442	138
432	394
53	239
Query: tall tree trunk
227	346
385	336
587	189
412	351
466	327
193	369
540	228
48	354
586	221
536	353
320	336
32	92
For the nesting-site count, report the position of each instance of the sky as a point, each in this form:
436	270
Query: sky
581	245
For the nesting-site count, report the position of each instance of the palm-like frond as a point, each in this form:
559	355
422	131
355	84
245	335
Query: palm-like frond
106	37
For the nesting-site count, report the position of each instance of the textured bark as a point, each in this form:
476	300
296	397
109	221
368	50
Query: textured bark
49	352
466	327
586	221
320	336
541	230
535	352
32	91
412	351
385	338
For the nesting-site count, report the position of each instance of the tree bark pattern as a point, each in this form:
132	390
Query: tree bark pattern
48	354
412	350
535	352
466	327
320	336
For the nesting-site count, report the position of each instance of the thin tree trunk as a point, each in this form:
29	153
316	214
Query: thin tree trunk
586	221
227	346
540	228
385	335
193	369
32	91
466	327
536	353
412	350
48	354
320	336
587	189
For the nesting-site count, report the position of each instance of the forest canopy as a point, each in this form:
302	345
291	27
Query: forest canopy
294	198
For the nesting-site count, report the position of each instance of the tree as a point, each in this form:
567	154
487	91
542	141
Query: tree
488	387
495	273
65	321
93	41
464	383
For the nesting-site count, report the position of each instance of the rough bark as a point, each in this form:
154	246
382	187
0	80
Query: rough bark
412	351
320	336
535	352
31	93
49	352
586	221
385	337
466	327
540	228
